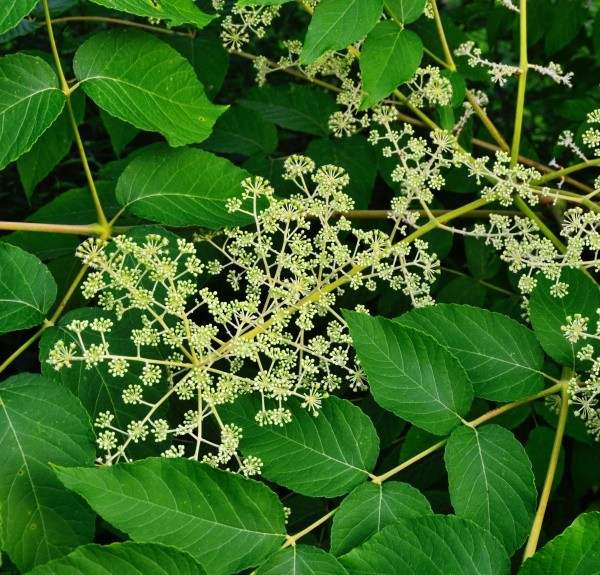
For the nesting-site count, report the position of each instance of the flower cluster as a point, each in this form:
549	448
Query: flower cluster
584	391
273	332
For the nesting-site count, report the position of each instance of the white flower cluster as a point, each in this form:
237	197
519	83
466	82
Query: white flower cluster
272	329
584	391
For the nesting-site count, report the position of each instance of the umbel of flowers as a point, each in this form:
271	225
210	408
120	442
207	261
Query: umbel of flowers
275	332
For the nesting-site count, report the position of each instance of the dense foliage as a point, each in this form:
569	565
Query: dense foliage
299	286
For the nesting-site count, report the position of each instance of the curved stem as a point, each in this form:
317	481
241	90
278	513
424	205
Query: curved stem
117	21
552	464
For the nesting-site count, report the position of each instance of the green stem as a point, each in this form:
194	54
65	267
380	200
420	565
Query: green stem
485	119
480	282
523	66
541	225
117	21
552	465
442	36
102	221
566	171
291	539
84	229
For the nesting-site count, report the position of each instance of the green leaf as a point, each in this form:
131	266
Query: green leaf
483	260
539	449
321	456
127	558
390	56
356	156
261	2
335	24
435	545
302	560
370	508
462	290
71	207
501	356
41	423
207	56
182	187
242	131
52	146
575	551
95	387
491	482
27	289
549	313
30	101
410	374
119	132
142	80
405	11
295	107
13	12
563	24
174	12
226	522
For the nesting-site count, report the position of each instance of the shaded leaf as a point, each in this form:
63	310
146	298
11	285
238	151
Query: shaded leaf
96	388
356	156
41	423
142	80
175	12
295	107
539	448
390	56
127	558
226	522
301	560
370	508
13	12
119	132
242	131
322	456
491	482
52	146
30	101
501	356
462	290
483	260
436	545
410	373
182	187
575	551
27	289
337	23
71	207
549	313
